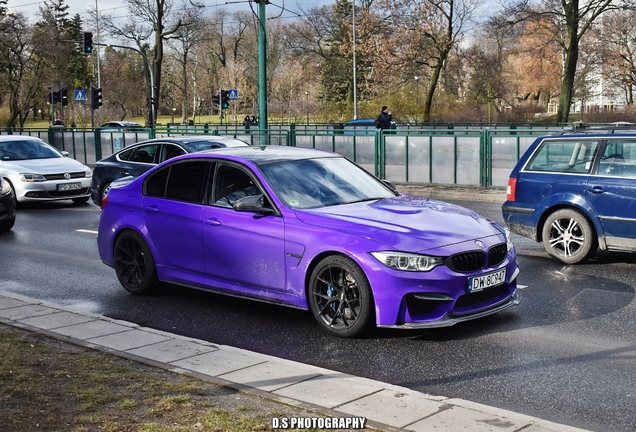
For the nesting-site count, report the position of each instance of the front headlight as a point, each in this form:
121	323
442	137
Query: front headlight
25	177
88	173
4	187
506	233
407	261
508	239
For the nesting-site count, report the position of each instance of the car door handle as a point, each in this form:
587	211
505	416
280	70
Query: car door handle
213	222
596	190
126	173
151	209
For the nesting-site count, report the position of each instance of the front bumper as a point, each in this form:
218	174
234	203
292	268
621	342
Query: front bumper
48	190
450	320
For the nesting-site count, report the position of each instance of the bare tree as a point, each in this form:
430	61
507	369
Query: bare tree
149	21
618	42
22	72
183	41
424	34
567	21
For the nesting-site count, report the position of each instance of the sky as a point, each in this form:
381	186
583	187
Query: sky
117	8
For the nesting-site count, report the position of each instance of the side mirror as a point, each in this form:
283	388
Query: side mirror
64	153
252	203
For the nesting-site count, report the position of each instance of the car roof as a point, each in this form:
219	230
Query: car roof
617	128
186	139
263	155
361	122
121	123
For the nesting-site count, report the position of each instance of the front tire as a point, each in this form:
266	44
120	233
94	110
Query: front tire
7	224
340	297
134	264
568	236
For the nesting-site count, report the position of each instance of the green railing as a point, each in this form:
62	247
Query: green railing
456	154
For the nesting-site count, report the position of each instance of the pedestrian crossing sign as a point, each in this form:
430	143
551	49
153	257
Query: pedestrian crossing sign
232	94
80	96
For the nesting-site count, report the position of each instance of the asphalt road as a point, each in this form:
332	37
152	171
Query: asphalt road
566	354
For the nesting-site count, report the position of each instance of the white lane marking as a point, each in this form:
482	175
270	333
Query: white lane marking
86	231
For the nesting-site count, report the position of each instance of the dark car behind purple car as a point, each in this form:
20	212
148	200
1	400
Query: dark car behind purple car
138	158
307	229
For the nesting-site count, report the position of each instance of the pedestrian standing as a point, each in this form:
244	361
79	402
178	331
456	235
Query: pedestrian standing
384	119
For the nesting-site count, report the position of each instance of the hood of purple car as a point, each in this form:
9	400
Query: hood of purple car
405	222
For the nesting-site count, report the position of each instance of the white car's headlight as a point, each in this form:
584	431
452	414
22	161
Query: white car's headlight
26	177
4	187
88	173
408	261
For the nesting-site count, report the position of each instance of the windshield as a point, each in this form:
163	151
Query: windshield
312	183
24	150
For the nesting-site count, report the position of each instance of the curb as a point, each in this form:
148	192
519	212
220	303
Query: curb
328	393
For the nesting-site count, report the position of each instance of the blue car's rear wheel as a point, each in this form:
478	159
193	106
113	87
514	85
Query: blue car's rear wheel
340	297
568	236
134	264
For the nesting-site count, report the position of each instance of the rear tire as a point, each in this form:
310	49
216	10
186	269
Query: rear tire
569	236
134	264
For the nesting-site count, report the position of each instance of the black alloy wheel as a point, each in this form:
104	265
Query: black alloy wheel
340	297
134	264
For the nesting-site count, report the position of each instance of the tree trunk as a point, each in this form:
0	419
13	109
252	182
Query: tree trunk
571	60
431	91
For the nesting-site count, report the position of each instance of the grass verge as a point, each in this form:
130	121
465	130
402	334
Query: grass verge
50	385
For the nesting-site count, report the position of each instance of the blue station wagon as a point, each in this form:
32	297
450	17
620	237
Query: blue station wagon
576	192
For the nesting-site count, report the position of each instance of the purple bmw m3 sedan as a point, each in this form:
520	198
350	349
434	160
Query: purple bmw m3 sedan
307	229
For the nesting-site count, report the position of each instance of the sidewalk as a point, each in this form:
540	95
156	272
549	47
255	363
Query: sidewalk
454	192
333	394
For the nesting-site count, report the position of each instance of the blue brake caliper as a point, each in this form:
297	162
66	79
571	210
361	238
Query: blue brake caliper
330	294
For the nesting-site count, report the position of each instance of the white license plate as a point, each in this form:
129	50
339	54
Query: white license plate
486	281
69	186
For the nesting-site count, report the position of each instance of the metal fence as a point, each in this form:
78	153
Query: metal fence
458	154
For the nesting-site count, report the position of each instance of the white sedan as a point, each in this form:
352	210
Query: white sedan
37	171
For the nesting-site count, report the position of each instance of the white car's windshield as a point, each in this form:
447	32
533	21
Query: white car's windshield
312	183
24	150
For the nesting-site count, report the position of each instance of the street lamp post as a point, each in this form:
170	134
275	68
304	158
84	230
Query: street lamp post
173	111
307	105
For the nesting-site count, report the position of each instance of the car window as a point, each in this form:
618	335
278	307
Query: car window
232	184
186	181
23	149
168	151
181	181
567	156
618	159
320	182
144	154
155	184
203	145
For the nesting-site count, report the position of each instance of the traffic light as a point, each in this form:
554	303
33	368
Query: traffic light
225	99
96	97
216	100
64	98
54	97
87	43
